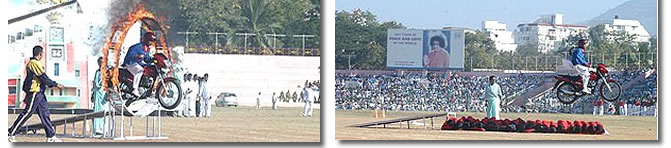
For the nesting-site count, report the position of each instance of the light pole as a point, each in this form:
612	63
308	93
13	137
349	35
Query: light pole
187	33
536	68
303	36
274	36
349	59
526	67
216	39
513	61
246	36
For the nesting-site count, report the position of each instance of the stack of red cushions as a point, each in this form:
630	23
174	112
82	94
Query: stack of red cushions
519	125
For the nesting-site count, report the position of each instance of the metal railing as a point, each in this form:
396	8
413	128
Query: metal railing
551	62
258	51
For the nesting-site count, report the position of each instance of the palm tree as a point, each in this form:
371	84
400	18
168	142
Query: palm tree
259	19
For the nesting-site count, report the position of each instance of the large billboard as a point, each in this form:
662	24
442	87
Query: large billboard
437	49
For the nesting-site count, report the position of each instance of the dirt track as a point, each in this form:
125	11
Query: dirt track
619	127
241	124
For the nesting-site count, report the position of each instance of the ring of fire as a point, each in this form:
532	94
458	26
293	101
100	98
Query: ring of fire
118	34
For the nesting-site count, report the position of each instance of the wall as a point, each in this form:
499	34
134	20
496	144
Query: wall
246	75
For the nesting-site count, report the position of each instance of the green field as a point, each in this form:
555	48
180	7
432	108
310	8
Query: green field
619	127
236	124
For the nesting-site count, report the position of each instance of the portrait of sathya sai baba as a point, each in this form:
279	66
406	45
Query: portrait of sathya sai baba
496	70
163	71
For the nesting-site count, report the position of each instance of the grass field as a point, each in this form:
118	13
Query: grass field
619	127
237	124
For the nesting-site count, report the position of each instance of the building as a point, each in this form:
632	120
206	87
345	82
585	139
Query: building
632	27
547	32
60	61
466	30
503	40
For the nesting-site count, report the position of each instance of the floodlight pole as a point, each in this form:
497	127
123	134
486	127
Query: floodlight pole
216	39
274	36
187	33
246	36
304	36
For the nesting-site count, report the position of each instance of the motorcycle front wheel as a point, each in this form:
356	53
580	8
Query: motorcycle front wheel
169	95
613	94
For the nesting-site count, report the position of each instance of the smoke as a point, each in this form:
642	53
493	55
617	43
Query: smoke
120	8
100	16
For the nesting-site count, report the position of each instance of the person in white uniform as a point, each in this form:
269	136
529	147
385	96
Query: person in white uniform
307	108
190	96
274	101
205	95
258	101
184	105
493	94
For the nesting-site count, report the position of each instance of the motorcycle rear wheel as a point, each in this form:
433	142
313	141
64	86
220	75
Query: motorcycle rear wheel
563	93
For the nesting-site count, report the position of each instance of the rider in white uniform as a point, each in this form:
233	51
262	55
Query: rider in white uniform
581	65
138	57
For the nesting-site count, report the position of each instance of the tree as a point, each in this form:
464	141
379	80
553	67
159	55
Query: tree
652	52
214	16
360	37
310	24
260	17
527	54
268	16
480	51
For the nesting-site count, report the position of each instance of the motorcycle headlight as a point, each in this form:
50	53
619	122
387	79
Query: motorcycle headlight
167	64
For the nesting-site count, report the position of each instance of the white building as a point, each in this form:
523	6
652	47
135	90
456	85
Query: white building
504	40
547	32
632	27
466	30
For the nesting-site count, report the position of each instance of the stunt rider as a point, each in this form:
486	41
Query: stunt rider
138	57
581	65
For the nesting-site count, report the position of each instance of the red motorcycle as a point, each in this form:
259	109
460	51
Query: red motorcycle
569	88
154	83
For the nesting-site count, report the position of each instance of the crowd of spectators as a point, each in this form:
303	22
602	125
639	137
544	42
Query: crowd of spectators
423	91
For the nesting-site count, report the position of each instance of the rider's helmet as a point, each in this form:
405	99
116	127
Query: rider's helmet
583	41
149	37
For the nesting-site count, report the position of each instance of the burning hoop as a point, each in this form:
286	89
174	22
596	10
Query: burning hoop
118	34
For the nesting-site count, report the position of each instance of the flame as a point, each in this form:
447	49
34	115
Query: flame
115	41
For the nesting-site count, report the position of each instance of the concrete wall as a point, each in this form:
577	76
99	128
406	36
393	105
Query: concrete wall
246	75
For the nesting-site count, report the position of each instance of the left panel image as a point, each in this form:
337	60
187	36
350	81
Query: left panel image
164	71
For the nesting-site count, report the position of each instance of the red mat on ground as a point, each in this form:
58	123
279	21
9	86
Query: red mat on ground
524	126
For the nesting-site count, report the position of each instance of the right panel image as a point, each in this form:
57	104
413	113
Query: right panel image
496	70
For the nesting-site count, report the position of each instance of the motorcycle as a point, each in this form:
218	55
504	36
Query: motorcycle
154	84
569	88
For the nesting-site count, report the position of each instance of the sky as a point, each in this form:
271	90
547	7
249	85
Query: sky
433	14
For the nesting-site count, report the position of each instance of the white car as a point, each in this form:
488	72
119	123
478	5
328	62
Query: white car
226	99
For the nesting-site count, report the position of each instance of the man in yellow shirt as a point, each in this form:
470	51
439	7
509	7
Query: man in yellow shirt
34	84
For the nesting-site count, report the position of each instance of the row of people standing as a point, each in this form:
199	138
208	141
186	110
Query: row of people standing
297	96
309	95
197	101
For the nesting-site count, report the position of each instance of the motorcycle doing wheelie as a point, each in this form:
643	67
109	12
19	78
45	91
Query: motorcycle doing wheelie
569	88
155	84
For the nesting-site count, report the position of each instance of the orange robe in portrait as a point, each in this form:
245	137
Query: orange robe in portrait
438	58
